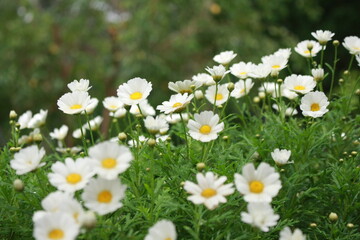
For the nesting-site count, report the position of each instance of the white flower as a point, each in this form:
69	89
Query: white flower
323	36
314	104
209	191
289	94
258	185
177	103
112	103
205	128
90	108
318	74
27	159
38	119
269	87
217	72
146	109
156	125
225	58
308	48
74	102
275	62
81	85
352	44
261	71
242	88
199	94
77	133
72	150
260	215
134	91
94	123
59	133
284	52
358	59
288	111
175	118
221	96
281	156
71	175
133	142
299	83
24	119
103	196
121	112
286	234
186	86
109	159
57	225
242	69
204	79
162	230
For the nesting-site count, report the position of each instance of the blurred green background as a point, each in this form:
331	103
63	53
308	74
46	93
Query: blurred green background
46	44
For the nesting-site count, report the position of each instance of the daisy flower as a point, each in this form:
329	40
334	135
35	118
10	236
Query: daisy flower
94	123
217	72
286	234
112	103
134	91
260	71
74	102
258	185
221	96
176	104
242	88
299	83
308	48
209	191
281	156
318	74
24	119
314	104
38	119
145	107
225	58
57	225
352	44
242	69
103	196
59	133
71	175
205	128
156	125
204	79
81	85
283	52
27	159
275	62
109	159
90	108
260	215
323	36
186	86
162	230
121	112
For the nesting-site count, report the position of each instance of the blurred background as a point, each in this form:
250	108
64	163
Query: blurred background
46	44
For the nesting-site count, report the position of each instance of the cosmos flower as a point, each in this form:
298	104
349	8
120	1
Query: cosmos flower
314	104
27	159
134	91
205	127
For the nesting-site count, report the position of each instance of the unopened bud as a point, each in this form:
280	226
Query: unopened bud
182	183
313	225
341	160
346	72
12	114
225	137
356	142
18	185
256	99
122	136
192	87
147	169
199	94
230	86
13	149
309	46
274	73
279	80
350	225
37	137
89	220
200	166
341	80
336	43
262	95
333	216
354	153
357	92
151	142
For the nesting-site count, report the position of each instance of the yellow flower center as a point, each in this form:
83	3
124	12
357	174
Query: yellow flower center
256	187
168	239
136	95
315	107
275	66
219	96
113	106
185	91
208	192
104	196
205	129
307	52
177	105
73	178
56	234
243	73
299	87
108	163
76	106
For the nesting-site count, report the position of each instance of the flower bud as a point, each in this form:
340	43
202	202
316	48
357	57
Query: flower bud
354	153
357	92
336	43
262	95
225	137
37	137
12	114
200	166
122	136
18	185
279	80
309	46
341	80
346	72
313	225
333	216
199	94
89	220
350	225
230	86
151	142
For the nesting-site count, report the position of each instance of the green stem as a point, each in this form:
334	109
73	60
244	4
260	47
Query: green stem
91	134
351	61
216	91
333	72
185	136
82	134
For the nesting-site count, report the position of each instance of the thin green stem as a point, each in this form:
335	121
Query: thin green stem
82	134
90	130
351	61
216	91
333	72
185	136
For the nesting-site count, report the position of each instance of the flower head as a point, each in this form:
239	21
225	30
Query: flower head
299	83
352	44
156	125
177	103
314	104
225	58
323	36
242	88
219	97
258	185
242	69
59	133
308	48
24	119
318	74
206	126
217	72
281	156
162	230
204	79
286	234
134	91
81	85
74	102
209	191
38	119
113	103
27	159
186	86
260	215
